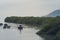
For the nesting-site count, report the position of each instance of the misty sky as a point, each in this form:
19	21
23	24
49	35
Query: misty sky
28	7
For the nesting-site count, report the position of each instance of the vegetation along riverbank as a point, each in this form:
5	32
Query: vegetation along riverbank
49	26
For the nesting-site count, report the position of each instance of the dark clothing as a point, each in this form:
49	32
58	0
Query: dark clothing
20	27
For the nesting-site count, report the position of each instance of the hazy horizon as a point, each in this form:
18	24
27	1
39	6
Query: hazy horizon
28	7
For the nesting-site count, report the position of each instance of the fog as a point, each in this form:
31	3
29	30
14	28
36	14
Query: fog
27	7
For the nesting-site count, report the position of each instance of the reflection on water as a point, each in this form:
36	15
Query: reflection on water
14	34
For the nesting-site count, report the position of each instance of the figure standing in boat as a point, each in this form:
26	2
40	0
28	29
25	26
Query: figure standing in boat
20	28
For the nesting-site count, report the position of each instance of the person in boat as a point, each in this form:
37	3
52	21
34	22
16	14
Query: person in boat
20	27
5	25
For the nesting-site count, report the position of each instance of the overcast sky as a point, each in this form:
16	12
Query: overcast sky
28	7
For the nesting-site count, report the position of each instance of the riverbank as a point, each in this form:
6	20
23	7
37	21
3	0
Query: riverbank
48	25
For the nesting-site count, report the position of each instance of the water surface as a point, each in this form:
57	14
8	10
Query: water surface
14	34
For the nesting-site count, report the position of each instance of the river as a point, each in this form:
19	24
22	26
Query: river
14	34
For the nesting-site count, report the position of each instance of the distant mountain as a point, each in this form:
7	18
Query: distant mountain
54	13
